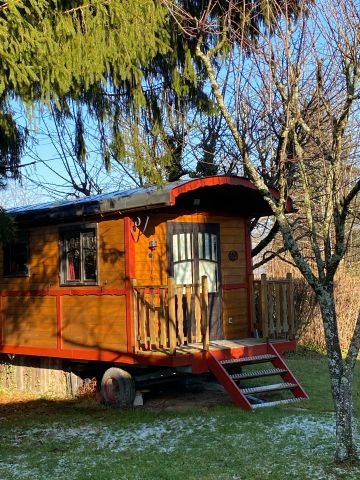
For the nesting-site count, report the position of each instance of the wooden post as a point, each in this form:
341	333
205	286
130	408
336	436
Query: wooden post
270	302
252	304
291	305
143	332
278	324
264	306
172	315
197	313
162	319
188	313
152	318
285	309
180	315
133	283
205	312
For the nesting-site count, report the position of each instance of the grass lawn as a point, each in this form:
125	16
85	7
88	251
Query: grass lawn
44	439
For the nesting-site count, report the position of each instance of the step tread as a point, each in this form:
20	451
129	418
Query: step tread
277	402
268	388
254	359
267	372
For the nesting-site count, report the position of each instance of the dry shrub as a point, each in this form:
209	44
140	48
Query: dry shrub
309	326
310	330
88	388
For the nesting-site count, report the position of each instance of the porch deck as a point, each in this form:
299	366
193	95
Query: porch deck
194	356
221	345
171	318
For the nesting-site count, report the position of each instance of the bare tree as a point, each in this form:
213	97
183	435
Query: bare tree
293	107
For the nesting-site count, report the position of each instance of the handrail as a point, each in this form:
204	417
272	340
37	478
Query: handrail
169	316
274	316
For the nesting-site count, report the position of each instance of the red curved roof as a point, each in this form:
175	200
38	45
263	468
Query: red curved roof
219	181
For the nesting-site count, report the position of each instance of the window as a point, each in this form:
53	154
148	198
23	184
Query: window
78	255
16	256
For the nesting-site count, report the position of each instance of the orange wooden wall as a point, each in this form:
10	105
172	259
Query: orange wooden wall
87	321
153	271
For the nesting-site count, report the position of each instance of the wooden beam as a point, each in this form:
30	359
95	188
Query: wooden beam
205	312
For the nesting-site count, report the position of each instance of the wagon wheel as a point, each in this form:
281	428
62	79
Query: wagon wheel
117	388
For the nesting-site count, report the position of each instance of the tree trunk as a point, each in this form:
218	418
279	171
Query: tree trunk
345	423
341	379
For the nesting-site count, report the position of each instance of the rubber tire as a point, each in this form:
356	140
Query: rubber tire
117	388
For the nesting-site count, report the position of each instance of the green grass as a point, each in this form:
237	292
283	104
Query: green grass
83	440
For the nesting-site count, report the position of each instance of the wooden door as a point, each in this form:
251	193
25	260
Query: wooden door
194	251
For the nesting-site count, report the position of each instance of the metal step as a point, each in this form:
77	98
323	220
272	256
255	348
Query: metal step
268	388
248	360
258	373
277	402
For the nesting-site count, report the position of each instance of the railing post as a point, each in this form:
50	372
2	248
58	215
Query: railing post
197	308
291	305
189	313
142	314
180	315
153	338
135	314
278	323
264	307
252	304
205	312
172	314
163	319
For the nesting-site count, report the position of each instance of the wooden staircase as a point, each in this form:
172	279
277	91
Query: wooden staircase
235	373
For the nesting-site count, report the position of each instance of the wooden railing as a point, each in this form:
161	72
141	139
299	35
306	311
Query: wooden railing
169	316
273	315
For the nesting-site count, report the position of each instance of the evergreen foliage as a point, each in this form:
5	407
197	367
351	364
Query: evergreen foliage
55	50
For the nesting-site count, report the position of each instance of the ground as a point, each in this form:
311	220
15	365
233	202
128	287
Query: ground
176	435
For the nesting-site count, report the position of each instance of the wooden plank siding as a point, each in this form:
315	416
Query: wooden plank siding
30	321
96	322
38	312
153	269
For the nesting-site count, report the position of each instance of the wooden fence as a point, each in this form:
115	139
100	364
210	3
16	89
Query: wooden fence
273	316
168	316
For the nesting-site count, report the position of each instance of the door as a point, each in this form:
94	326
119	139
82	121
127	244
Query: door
194	251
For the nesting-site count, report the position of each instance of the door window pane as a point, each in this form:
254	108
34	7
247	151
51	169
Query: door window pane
175	248
209	269
201	245
214	247
182	246
189	246
207	246
183	273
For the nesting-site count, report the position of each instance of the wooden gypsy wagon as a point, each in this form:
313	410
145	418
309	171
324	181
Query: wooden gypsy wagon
151	277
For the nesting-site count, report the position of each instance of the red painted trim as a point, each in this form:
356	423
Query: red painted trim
234	286
197	361
54	292
98	355
222	180
249	270
59	322
129	274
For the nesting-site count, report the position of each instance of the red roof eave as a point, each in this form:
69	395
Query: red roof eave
222	180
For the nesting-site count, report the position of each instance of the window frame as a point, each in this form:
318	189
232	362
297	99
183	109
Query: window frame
64	233
22	237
